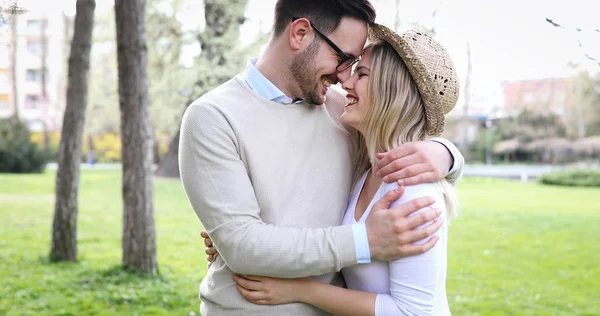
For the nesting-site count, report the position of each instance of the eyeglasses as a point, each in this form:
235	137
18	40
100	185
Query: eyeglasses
346	61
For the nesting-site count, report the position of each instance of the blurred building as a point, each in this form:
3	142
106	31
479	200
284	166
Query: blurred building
547	96
41	43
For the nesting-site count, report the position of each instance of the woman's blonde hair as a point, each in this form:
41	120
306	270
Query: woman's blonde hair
395	114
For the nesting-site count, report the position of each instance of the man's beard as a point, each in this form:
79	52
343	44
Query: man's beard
304	74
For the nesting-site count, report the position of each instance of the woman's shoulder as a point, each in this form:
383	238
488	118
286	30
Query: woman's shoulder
414	191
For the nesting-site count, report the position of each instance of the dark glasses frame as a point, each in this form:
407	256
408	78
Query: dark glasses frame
346	61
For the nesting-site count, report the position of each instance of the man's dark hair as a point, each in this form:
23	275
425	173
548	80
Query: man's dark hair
325	14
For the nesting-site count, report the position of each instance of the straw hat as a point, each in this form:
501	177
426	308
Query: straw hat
430	66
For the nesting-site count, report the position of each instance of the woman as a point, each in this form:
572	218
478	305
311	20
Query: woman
399	92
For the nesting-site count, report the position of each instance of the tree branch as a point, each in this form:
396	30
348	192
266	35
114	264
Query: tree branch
585	54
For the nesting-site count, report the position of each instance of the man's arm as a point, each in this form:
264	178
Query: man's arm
217	184
458	160
421	162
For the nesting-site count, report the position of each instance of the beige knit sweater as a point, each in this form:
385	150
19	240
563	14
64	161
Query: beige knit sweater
270	183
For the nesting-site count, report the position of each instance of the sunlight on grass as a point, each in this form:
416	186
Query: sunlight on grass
516	249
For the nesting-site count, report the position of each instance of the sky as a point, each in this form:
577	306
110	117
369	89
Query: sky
509	39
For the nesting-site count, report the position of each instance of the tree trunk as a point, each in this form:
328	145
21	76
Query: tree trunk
13	60
397	16
465	118
139	244
223	21
64	228
169	165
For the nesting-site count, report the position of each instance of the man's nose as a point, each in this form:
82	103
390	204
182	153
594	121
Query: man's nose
344	75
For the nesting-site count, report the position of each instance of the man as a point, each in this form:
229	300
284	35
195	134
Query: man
267	165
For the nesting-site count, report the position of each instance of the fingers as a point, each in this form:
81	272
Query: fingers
411	206
247	283
208	242
420	234
252	296
411	171
398	165
253	277
387	200
394	154
210	251
412	250
422	218
426	177
204	234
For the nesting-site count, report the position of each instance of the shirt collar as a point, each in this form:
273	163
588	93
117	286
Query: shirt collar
261	85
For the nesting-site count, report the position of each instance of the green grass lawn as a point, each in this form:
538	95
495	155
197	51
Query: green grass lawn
516	249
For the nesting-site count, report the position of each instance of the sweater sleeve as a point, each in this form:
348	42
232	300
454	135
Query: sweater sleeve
414	280
456	172
217	184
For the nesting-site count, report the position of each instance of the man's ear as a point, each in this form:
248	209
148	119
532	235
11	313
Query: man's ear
300	34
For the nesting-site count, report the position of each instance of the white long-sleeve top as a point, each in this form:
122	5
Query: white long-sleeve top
409	286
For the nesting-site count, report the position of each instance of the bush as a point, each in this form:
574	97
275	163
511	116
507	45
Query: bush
51	145
577	177
107	148
18	154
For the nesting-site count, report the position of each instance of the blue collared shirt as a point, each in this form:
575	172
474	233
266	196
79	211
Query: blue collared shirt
261	85
265	88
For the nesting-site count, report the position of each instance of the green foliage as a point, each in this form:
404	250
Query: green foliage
173	85
222	56
577	178
529	126
516	249
590	99
51	144
171	80
97	284
478	148
107	147
18	154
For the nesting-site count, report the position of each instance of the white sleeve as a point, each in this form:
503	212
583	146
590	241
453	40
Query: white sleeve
414	280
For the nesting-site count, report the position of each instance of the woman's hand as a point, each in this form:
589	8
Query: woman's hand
210	250
272	291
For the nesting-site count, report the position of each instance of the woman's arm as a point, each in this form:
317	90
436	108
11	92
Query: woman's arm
340	301
330	298
415	281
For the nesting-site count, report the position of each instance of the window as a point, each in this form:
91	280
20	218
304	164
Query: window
33	75
561	96
33	25
3	101
4	78
4	51
34	47
32	101
529	98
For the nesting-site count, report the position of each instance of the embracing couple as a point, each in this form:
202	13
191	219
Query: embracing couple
318	202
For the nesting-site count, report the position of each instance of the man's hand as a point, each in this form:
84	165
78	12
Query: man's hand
414	163
392	232
210	250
